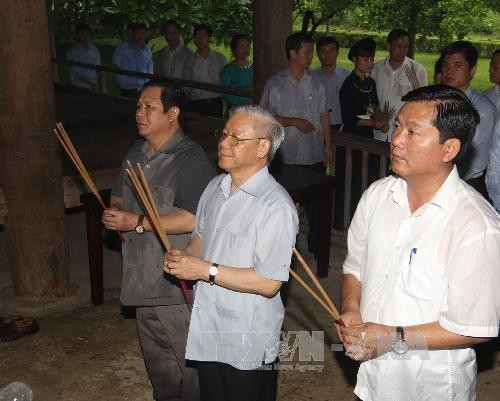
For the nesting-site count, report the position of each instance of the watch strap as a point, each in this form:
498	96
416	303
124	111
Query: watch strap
211	277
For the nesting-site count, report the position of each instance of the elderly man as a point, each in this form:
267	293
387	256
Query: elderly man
459	67
178	172
393	75
245	228
175	60
134	55
421	278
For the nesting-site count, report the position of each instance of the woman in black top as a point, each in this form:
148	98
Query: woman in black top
358	95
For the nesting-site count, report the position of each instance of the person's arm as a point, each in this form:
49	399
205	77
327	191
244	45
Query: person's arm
351	296
370	340
187	267
327	136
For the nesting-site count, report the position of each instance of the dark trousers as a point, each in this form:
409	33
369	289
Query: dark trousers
163	334
210	107
222	382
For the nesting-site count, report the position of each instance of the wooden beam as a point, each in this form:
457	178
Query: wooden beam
272	23
30	170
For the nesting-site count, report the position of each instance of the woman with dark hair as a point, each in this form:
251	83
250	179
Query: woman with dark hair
239	72
358	95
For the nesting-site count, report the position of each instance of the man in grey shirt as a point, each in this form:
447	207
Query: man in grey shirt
175	60
178	172
299	102
246	225
331	76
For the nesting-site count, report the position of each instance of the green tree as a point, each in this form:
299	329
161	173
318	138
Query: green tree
446	19
318	12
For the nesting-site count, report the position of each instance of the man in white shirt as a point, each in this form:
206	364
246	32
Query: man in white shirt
459	67
175	60
393	76
421	278
331	76
206	67
494	93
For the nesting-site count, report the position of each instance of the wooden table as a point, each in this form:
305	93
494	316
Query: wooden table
302	184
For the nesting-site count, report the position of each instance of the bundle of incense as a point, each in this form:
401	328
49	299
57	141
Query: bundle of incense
70	149
386	113
326	302
412	75
145	195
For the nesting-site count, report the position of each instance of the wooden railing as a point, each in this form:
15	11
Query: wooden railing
103	70
366	147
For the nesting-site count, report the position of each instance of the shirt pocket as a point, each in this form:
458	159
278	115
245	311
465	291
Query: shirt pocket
423	278
164	198
241	249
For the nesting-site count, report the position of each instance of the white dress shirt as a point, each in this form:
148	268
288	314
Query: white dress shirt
392	84
493	171
494	95
439	263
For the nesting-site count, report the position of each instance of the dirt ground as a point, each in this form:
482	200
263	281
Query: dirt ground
91	353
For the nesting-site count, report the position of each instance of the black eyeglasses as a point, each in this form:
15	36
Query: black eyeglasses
233	139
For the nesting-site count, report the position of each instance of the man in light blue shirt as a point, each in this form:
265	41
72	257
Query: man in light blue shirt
84	52
134	55
331	76
459	67
246	225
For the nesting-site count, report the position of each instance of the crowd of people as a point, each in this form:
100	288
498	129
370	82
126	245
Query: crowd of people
421	278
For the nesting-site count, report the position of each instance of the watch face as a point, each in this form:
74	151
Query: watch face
400	347
139	229
213	270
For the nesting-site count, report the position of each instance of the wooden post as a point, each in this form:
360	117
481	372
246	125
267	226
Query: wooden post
30	168
272	23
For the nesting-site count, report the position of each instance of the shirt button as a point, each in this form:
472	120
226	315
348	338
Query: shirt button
196	308
148	166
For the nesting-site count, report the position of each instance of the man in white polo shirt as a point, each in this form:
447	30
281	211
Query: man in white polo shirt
421	279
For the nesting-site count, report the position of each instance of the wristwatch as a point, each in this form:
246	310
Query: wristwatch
139	228
212	272
400	346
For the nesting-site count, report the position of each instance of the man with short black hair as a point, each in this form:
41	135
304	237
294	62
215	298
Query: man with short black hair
174	60
458	69
394	75
421	278
134	55
331	76
298	101
494	93
84	52
178	172
206	67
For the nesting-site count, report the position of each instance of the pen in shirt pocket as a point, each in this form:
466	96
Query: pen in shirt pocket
412	252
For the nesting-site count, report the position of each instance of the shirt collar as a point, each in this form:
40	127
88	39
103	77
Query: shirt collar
170	146
253	186
443	198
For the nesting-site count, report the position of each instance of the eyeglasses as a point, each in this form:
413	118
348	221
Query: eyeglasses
233	139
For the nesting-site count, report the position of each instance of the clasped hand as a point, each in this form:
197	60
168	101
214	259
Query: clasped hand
179	264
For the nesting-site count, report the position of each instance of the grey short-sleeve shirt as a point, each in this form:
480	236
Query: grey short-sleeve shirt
254	227
306	98
178	173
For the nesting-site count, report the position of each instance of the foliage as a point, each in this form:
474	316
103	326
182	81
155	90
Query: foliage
320	11
224	16
446	19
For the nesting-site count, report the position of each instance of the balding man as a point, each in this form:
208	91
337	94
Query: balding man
246	225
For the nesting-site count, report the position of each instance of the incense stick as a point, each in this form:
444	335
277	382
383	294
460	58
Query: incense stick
70	150
143	190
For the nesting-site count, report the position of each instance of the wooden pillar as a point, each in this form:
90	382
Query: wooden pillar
30	168
272	23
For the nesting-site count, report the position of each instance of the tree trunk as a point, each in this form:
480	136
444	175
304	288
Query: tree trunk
272	23
413	26
30	168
